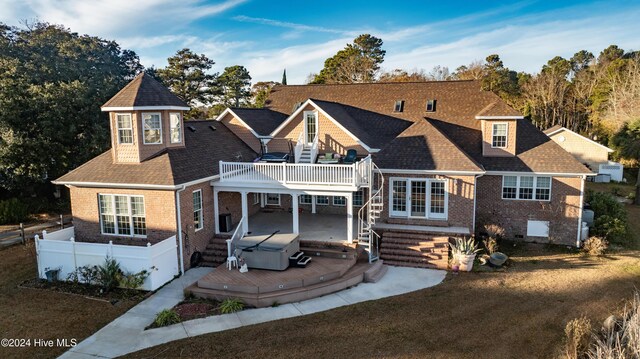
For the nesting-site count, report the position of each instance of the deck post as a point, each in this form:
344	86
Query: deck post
216	211
349	217
296	214
313	204
245	212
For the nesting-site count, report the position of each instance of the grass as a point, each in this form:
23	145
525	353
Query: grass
518	313
37	313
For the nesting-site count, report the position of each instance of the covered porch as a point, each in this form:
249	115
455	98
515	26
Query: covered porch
312	226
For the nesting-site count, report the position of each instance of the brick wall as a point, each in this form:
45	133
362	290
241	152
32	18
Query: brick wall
487	138
460	202
159	212
330	137
561	211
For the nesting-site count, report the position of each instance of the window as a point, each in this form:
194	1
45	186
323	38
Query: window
256	198
322	200
399	106
431	105
339	201
122	215
526	188
197	209
305	199
418	198
499	135
152	128
273	199
358	198
175	130
125	129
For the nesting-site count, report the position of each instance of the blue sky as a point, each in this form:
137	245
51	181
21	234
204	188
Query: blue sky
267	36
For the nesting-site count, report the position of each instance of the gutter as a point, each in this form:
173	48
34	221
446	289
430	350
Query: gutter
475	200
135	185
579	237
179	225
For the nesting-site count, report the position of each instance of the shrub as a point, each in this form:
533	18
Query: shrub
610	215
231	305
578	337
109	274
166	317
494	231
490	245
620	341
595	246
13	211
464	247
133	280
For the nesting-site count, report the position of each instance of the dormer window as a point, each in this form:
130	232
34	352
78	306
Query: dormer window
431	105
399	106
499	135
175	128
125	129
152	128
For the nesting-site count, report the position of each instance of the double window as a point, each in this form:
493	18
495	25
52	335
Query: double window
339	201
197	209
418	198
305	199
175	128
125	128
358	198
322	200
526	188
122	215
273	199
499	135
152	128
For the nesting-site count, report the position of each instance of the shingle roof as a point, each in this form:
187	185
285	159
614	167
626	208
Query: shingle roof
199	159
262	120
144	90
458	104
372	128
423	147
552	129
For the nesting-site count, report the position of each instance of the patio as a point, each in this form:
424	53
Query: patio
313	227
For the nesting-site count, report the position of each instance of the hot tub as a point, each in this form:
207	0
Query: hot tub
271	254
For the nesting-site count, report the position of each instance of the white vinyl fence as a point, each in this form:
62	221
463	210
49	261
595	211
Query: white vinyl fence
58	250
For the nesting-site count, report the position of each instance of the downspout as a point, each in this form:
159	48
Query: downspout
475	191
579	239
179	225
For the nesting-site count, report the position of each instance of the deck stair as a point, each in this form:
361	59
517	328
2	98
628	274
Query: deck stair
371	211
215	253
415	249
305	155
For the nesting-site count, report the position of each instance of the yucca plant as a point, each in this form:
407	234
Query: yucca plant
231	305
464	246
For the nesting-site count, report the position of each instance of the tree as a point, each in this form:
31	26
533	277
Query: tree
400	75
627	142
473	71
235	86
358	62
260	92
188	76
284	77
52	85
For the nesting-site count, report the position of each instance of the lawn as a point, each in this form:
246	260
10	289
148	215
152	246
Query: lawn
518	313
35	313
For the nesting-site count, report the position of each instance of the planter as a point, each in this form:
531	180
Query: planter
52	275
466	261
497	259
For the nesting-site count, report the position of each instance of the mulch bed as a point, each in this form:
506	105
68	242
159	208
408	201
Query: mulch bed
88	291
193	308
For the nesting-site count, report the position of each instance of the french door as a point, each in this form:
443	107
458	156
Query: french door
418	198
310	126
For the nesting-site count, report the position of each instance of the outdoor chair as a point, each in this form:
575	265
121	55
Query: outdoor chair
350	157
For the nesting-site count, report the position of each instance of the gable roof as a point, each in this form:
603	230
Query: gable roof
174	166
459	104
262	121
557	128
144	91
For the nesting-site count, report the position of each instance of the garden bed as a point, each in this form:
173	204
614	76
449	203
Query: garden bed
87	291
195	308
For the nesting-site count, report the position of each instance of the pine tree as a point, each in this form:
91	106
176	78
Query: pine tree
284	77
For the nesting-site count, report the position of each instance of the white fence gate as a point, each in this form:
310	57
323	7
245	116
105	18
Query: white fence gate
58	250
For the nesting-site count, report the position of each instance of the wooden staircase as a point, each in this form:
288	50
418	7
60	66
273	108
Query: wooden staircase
305	155
215	253
415	249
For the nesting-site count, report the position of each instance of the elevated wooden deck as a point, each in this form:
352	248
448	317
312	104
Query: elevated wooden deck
330	270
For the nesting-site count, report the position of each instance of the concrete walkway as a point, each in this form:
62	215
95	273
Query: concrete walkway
126	334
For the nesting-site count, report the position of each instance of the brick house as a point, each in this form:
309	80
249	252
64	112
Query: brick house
433	160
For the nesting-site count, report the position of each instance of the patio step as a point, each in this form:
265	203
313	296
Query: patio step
429	265
376	272
386	252
414	249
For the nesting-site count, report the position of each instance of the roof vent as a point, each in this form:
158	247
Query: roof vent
431	106
212	127
296	106
193	129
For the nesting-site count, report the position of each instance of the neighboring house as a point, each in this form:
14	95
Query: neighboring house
588	152
435	160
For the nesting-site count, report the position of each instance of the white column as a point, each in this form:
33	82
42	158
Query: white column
349	218
313	204
296	214
216	212
245	212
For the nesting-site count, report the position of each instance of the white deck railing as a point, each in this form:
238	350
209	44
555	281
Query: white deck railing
235	237
356	174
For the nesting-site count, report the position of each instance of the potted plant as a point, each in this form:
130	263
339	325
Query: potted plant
464	251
